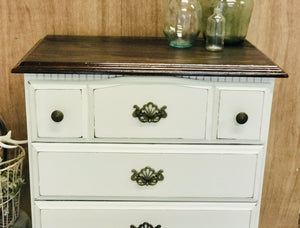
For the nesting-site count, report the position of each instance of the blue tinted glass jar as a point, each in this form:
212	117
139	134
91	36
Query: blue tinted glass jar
182	22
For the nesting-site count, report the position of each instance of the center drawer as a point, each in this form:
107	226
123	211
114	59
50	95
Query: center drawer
162	172
145	215
176	109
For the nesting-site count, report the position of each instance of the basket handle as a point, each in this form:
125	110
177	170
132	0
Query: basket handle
6	137
3	128
3	131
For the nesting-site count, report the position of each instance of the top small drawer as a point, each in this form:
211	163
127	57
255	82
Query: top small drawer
151	110
240	114
58	111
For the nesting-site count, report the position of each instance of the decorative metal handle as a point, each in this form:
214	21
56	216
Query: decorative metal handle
149	113
57	116
241	118
147	176
145	225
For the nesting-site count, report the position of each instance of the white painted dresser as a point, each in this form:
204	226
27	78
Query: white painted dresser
129	132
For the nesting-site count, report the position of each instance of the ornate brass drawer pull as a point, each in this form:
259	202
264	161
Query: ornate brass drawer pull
147	176
149	113
145	225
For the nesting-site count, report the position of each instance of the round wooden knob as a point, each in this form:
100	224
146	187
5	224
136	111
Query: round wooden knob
241	118
57	116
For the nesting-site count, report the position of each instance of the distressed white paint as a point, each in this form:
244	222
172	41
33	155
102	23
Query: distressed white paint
233	102
107	173
175	215
186	117
220	162
102	111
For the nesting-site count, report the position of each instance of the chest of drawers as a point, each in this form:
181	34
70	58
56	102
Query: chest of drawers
128	132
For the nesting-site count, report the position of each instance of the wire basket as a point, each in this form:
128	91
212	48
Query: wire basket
11	181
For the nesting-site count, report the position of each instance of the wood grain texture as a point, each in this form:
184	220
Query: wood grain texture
22	24
274	29
143	55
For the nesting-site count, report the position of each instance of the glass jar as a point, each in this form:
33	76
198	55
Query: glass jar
237	14
182	22
215	31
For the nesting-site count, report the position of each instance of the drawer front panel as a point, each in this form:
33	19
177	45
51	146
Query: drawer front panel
151	111
240	114
133	215
59	113
122	171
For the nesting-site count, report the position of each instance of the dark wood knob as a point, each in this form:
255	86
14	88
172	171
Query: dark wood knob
241	118
57	116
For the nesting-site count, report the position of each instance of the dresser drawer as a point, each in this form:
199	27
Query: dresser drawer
58	111
152	215
173	109
155	110
240	114
160	172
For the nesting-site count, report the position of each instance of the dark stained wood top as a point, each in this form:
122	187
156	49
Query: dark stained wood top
132	55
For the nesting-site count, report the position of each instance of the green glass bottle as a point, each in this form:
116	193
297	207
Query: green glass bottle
237	14
182	22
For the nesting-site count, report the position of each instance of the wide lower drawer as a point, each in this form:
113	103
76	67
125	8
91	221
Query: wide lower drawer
151	215
146	171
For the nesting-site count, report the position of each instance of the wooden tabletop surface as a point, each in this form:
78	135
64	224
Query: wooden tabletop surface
134	55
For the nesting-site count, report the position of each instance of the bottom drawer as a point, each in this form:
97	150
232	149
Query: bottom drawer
143	215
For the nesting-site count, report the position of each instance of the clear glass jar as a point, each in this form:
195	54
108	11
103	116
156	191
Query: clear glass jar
182	22
215	31
237	14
